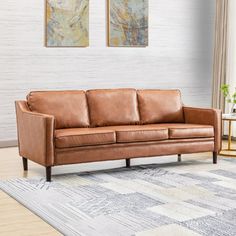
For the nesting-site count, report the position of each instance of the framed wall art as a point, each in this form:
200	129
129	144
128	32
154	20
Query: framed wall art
67	23
128	23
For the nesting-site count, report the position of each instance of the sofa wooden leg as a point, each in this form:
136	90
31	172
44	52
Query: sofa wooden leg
25	163
127	162
48	173
179	158
214	157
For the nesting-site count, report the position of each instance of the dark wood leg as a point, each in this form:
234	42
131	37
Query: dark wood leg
179	157
48	173
127	162
214	157
25	163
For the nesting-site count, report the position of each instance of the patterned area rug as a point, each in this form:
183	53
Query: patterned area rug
188	198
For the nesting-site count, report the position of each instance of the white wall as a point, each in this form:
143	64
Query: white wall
179	54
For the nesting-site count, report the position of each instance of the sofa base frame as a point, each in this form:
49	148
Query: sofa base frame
49	168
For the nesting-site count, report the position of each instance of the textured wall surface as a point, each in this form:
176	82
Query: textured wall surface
179	54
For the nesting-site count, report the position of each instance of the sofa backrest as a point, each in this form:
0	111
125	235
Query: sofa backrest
107	107
113	107
68	107
160	106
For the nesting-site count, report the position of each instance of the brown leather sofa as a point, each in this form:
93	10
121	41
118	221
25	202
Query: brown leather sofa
67	127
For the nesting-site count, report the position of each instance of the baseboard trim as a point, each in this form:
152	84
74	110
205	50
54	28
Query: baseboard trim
8	143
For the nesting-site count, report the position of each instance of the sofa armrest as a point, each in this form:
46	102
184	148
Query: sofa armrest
206	116
35	135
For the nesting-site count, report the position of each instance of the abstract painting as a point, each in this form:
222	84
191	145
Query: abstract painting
67	23
127	23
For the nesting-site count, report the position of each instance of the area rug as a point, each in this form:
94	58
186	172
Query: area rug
188	198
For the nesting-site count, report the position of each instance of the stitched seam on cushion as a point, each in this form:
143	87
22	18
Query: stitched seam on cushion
197	136
139	130
75	135
146	140
196	108
103	142
193	137
89	144
193	128
171	133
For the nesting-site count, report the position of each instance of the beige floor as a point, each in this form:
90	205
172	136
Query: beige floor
17	220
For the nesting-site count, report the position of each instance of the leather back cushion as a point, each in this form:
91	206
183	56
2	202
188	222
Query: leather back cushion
68	107
160	106
113	107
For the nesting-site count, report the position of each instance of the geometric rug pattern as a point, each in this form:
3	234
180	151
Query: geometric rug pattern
188	198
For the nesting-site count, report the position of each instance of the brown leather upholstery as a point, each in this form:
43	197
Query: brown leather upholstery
139	133
83	137
131	150
182	131
206	116
71	141
68	107
35	135
113	107
160	106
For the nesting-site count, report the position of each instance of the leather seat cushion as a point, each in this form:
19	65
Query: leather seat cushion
160	106
113	107
139	133
67	138
181	130
68	107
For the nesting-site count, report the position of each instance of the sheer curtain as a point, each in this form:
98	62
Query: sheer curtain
231	53
224	68
220	52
